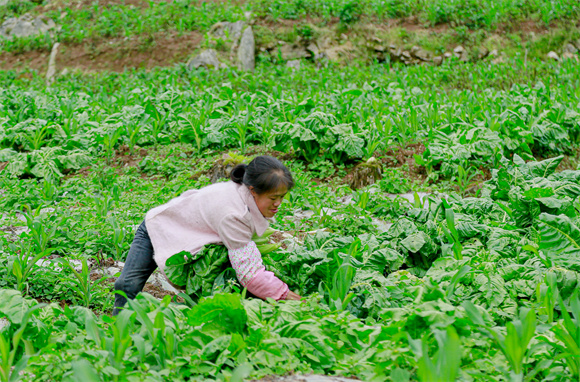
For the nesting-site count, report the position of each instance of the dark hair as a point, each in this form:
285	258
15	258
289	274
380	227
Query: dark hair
264	174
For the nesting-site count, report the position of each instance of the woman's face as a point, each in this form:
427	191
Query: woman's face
269	202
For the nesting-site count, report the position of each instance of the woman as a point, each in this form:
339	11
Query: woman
229	213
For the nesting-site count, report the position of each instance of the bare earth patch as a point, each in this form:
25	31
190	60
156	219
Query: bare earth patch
117	55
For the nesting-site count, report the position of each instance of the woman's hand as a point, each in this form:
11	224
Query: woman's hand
293	296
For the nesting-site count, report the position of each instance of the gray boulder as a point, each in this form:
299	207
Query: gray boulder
420	54
294	64
207	59
51	72
25	26
460	53
246	51
228	31
553	56
570	48
293	52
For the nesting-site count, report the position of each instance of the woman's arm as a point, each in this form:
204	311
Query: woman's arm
250	270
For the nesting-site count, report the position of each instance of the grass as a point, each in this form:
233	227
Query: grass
462	16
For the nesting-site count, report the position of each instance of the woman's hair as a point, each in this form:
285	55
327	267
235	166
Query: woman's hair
264	174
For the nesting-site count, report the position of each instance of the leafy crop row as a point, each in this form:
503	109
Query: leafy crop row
46	132
455	288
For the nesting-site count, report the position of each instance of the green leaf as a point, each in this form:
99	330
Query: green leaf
560	240
84	371
222	312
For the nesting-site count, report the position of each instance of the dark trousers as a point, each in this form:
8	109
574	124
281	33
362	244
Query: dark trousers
138	267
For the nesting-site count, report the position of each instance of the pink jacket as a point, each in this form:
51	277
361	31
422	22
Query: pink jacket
223	213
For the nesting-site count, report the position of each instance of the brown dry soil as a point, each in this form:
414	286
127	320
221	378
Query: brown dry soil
398	157
117	55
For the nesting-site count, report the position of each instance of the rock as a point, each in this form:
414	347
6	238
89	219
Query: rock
208	59
293	52
553	55
569	56
313	49
246	51
365	174
335	53
420	54
25	26
576	44
437	60
294	64
447	55
50	73
570	49
460	53
3	2
223	166
498	60
493	53
228	31
248	15
483	53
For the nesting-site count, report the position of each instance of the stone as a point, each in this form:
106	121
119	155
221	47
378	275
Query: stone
447	55
493	53
246	51
207	59
553	56
460	53
437	60
570	56
483	53
365	174
313	49
335	53
576	44
420	54
569	48
3	2
26	25
292	52
294	64
51	72
228	31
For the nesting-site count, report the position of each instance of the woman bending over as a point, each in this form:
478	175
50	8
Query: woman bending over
228	213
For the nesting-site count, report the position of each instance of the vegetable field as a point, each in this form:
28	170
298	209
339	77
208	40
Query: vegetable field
473	276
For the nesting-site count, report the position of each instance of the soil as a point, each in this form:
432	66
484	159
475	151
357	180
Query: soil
80	4
397	157
167	48
125	158
116	54
278	237
3	165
